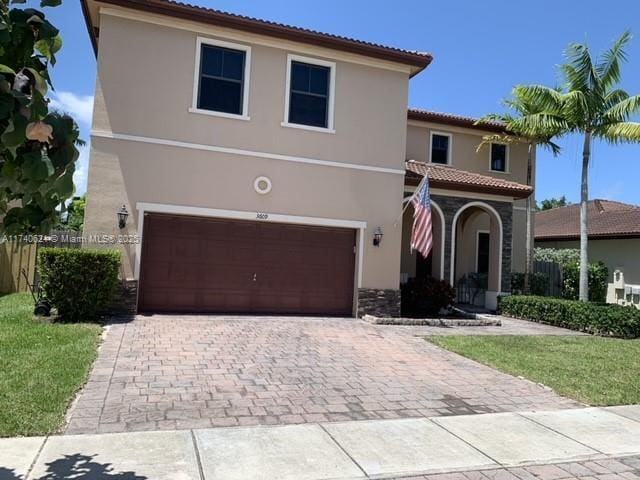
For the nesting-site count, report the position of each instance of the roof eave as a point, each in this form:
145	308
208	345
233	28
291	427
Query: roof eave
434	117
603	236
89	24
465	187
418	62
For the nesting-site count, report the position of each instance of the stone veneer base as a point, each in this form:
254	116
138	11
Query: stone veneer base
378	302
125	301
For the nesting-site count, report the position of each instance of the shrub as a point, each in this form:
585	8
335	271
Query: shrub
563	256
425	297
596	318
79	283
598	275
538	283
569	260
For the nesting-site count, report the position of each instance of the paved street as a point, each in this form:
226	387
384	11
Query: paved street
625	468
585	444
181	372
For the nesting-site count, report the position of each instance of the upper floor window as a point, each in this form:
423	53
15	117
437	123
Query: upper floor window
498	157
222	78
440	148
309	96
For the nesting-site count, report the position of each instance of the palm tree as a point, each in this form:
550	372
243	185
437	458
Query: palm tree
522	109
590	104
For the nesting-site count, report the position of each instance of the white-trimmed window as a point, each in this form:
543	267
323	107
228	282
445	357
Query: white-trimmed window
310	94
221	80
499	157
440	148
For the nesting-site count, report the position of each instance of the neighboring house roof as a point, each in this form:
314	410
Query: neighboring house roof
455	120
185	11
605	219
442	176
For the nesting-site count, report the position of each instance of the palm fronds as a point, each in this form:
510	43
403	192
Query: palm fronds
608	66
621	132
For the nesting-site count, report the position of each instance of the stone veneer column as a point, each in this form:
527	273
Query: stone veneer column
450	205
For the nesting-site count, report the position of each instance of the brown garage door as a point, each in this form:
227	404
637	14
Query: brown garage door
194	264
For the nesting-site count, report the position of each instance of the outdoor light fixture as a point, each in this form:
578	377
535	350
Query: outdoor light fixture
377	236
123	214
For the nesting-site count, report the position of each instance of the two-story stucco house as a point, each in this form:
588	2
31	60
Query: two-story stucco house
265	167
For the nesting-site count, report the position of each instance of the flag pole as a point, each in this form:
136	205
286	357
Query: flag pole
410	200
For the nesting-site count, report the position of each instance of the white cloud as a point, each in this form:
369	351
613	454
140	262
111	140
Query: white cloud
81	174
80	107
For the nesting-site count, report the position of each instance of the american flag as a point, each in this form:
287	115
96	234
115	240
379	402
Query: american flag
422	235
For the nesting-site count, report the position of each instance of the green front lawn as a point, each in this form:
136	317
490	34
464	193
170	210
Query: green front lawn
593	370
42	365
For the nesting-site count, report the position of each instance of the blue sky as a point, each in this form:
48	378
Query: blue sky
481	49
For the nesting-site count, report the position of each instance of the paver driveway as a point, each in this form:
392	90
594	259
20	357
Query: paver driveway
174	372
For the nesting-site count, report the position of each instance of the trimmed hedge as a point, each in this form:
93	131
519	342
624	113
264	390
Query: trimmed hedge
80	283
596	318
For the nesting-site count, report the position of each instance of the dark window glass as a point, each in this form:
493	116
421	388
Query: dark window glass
440	149
299	77
483	252
309	96
498	157
221	86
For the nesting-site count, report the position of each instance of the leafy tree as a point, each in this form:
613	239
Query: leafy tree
73	217
75	213
520	108
549	203
590	103
38	147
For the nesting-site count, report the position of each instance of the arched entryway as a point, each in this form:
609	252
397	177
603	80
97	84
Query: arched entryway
412	263
476	254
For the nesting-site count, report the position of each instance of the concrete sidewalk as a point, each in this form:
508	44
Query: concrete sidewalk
346	450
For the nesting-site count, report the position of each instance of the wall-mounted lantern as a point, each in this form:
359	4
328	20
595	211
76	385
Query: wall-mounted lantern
123	214
377	236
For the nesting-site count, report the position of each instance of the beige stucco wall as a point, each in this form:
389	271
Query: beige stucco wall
147	77
470	222
466	258
120	172
463	150
144	89
616	254
465	157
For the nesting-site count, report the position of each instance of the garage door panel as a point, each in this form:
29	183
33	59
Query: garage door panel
186	247
225	302
171	298
192	264
230	277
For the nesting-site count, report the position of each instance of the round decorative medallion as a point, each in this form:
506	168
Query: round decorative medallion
262	185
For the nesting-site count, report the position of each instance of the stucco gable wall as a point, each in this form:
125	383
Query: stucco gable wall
147	77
